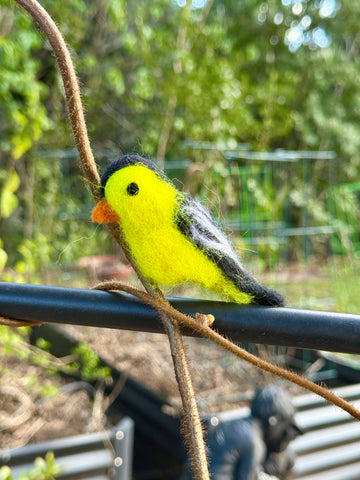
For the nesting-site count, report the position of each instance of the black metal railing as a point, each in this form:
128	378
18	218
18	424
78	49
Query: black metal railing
306	329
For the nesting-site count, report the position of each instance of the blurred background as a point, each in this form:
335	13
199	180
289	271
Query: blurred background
253	107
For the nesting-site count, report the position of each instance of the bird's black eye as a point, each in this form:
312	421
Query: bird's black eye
132	188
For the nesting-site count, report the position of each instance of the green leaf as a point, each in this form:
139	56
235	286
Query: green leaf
3	259
5	473
8	199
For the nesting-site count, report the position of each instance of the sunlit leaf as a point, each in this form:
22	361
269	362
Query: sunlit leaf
8	199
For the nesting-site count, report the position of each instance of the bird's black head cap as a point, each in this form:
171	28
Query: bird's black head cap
126	161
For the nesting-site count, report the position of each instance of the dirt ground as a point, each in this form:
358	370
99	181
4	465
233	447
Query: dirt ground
30	413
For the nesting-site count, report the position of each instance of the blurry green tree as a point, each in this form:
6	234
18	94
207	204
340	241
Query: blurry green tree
273	74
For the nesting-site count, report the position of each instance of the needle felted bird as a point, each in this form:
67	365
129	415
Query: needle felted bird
171	237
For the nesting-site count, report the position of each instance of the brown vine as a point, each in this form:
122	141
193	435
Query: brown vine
191	419
204	329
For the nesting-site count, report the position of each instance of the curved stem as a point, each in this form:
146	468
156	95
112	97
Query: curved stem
206	331
77	119
191	423
12	322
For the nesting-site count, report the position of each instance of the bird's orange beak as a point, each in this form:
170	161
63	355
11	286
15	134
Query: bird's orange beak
103	213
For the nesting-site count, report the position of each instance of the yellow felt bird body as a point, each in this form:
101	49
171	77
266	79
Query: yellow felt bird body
171	237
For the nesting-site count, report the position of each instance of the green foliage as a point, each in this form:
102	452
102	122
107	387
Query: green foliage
343	202
16	343
35	253
51	226
3	257
12	341
232	68
8	203
154	74
88	363
43	469
8	199
22	113
326	287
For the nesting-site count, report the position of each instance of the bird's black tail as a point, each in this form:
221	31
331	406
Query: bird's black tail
261	295
246	283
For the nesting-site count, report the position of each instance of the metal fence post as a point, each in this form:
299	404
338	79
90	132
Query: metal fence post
123	445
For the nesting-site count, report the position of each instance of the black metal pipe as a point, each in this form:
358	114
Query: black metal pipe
308	329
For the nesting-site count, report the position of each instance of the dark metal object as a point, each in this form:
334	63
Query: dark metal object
277	326
123	445
80	455
329	449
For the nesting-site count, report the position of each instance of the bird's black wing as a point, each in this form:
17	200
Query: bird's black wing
197	224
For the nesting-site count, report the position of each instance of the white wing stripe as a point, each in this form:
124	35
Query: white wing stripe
219	243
